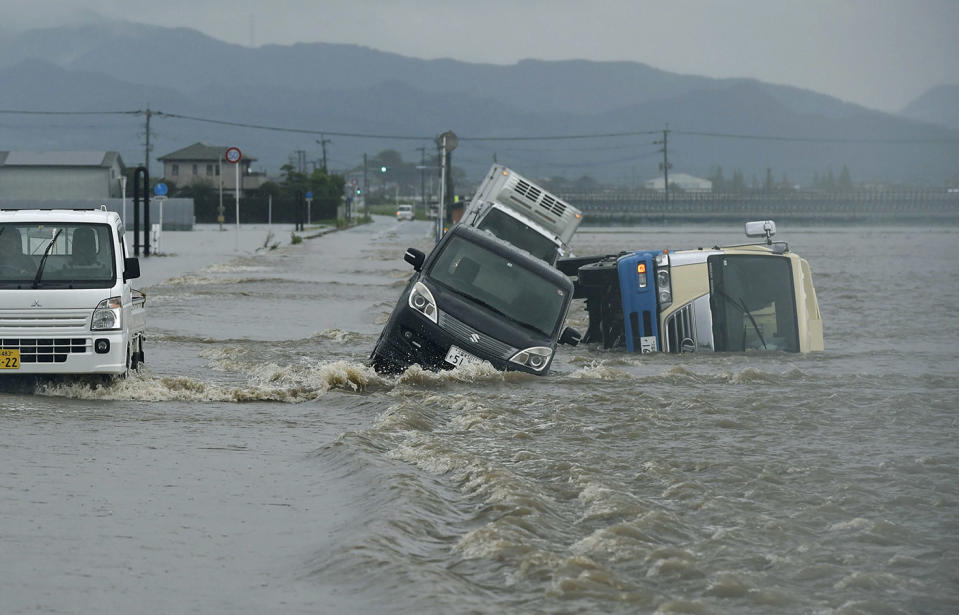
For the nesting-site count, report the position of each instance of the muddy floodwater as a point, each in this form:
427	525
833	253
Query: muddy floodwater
257	465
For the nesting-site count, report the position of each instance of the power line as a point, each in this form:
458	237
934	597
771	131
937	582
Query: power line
355	135
722	135
605	135
22	112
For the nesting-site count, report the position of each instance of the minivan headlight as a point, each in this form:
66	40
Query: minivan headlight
535	358
421	300
106	316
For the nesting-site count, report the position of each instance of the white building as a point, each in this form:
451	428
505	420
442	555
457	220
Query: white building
202	164
60	175
684	181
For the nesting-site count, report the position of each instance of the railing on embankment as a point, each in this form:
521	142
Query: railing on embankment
903	207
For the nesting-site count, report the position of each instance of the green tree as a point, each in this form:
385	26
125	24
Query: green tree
845	180
738	183
716	177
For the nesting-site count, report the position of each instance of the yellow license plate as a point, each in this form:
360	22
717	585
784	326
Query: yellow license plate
9	359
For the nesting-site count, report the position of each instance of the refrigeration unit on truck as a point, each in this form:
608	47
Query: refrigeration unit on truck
66	303
724	299
524	214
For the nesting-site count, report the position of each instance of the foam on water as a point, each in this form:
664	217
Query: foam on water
269	382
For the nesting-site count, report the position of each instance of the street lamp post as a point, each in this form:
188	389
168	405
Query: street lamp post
447	142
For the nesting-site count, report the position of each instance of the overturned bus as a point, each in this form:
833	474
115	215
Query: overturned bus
725	299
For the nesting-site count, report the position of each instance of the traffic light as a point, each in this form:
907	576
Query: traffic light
383	169
358	192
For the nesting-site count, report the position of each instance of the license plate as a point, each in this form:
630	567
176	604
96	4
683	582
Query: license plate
9	359
457	356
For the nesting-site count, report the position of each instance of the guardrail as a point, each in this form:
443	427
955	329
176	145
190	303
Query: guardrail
905	206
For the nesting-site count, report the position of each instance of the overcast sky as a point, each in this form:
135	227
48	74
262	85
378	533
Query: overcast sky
878	53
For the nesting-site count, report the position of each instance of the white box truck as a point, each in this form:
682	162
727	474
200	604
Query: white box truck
66	303
522	213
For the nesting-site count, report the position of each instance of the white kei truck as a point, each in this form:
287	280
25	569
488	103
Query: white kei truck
522	213
66	303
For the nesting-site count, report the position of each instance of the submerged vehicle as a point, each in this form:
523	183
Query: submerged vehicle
723	299
66	303
524	214
476	298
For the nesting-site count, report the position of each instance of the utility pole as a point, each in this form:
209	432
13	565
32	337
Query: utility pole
323	141
366	187
219	174
664	165
422	151
146	155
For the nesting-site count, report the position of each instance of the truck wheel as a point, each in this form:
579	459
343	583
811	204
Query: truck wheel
382	365
602	273
135	355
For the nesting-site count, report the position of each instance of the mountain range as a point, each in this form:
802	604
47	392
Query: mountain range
365	101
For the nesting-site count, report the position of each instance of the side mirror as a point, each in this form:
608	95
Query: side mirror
131	268
415	258
570	336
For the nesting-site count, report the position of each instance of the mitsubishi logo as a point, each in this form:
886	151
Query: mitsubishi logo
474	337
36	303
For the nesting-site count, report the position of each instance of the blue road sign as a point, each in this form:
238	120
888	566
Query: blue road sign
160	189
309	195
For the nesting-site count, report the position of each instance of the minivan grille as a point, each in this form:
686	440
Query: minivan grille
463	332
46	350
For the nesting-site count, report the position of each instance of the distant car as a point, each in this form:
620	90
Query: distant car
404	212
477	298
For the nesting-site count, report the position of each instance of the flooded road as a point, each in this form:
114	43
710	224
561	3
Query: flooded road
257	465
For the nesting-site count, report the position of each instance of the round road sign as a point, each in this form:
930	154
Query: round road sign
233	155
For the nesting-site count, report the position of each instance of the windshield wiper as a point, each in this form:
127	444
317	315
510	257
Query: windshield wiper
495	310
742	304
43	259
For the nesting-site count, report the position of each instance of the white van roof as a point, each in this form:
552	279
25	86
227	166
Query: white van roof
59	215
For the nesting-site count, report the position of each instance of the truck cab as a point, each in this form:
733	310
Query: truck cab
66	301
522	213
723	299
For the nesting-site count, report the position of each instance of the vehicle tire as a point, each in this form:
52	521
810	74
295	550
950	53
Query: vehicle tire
135	355
383	365
602	273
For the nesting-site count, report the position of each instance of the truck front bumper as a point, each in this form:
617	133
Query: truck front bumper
68	355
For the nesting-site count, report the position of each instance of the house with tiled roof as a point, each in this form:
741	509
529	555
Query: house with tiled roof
203	164
60	174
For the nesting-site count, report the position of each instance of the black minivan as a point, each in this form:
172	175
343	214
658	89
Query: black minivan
477	298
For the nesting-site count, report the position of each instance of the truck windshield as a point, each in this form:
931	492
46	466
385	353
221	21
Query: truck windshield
512	231
502	285
79	255
753	303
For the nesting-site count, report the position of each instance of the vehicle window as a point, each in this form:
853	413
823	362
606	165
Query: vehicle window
512	231
505	286
79	255
753	303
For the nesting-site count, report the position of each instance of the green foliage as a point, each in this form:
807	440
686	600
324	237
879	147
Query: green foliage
295	239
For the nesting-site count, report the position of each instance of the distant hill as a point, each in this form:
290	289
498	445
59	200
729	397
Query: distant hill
352	89
940	105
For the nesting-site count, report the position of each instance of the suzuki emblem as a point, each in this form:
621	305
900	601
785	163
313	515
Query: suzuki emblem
474	337
36	303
